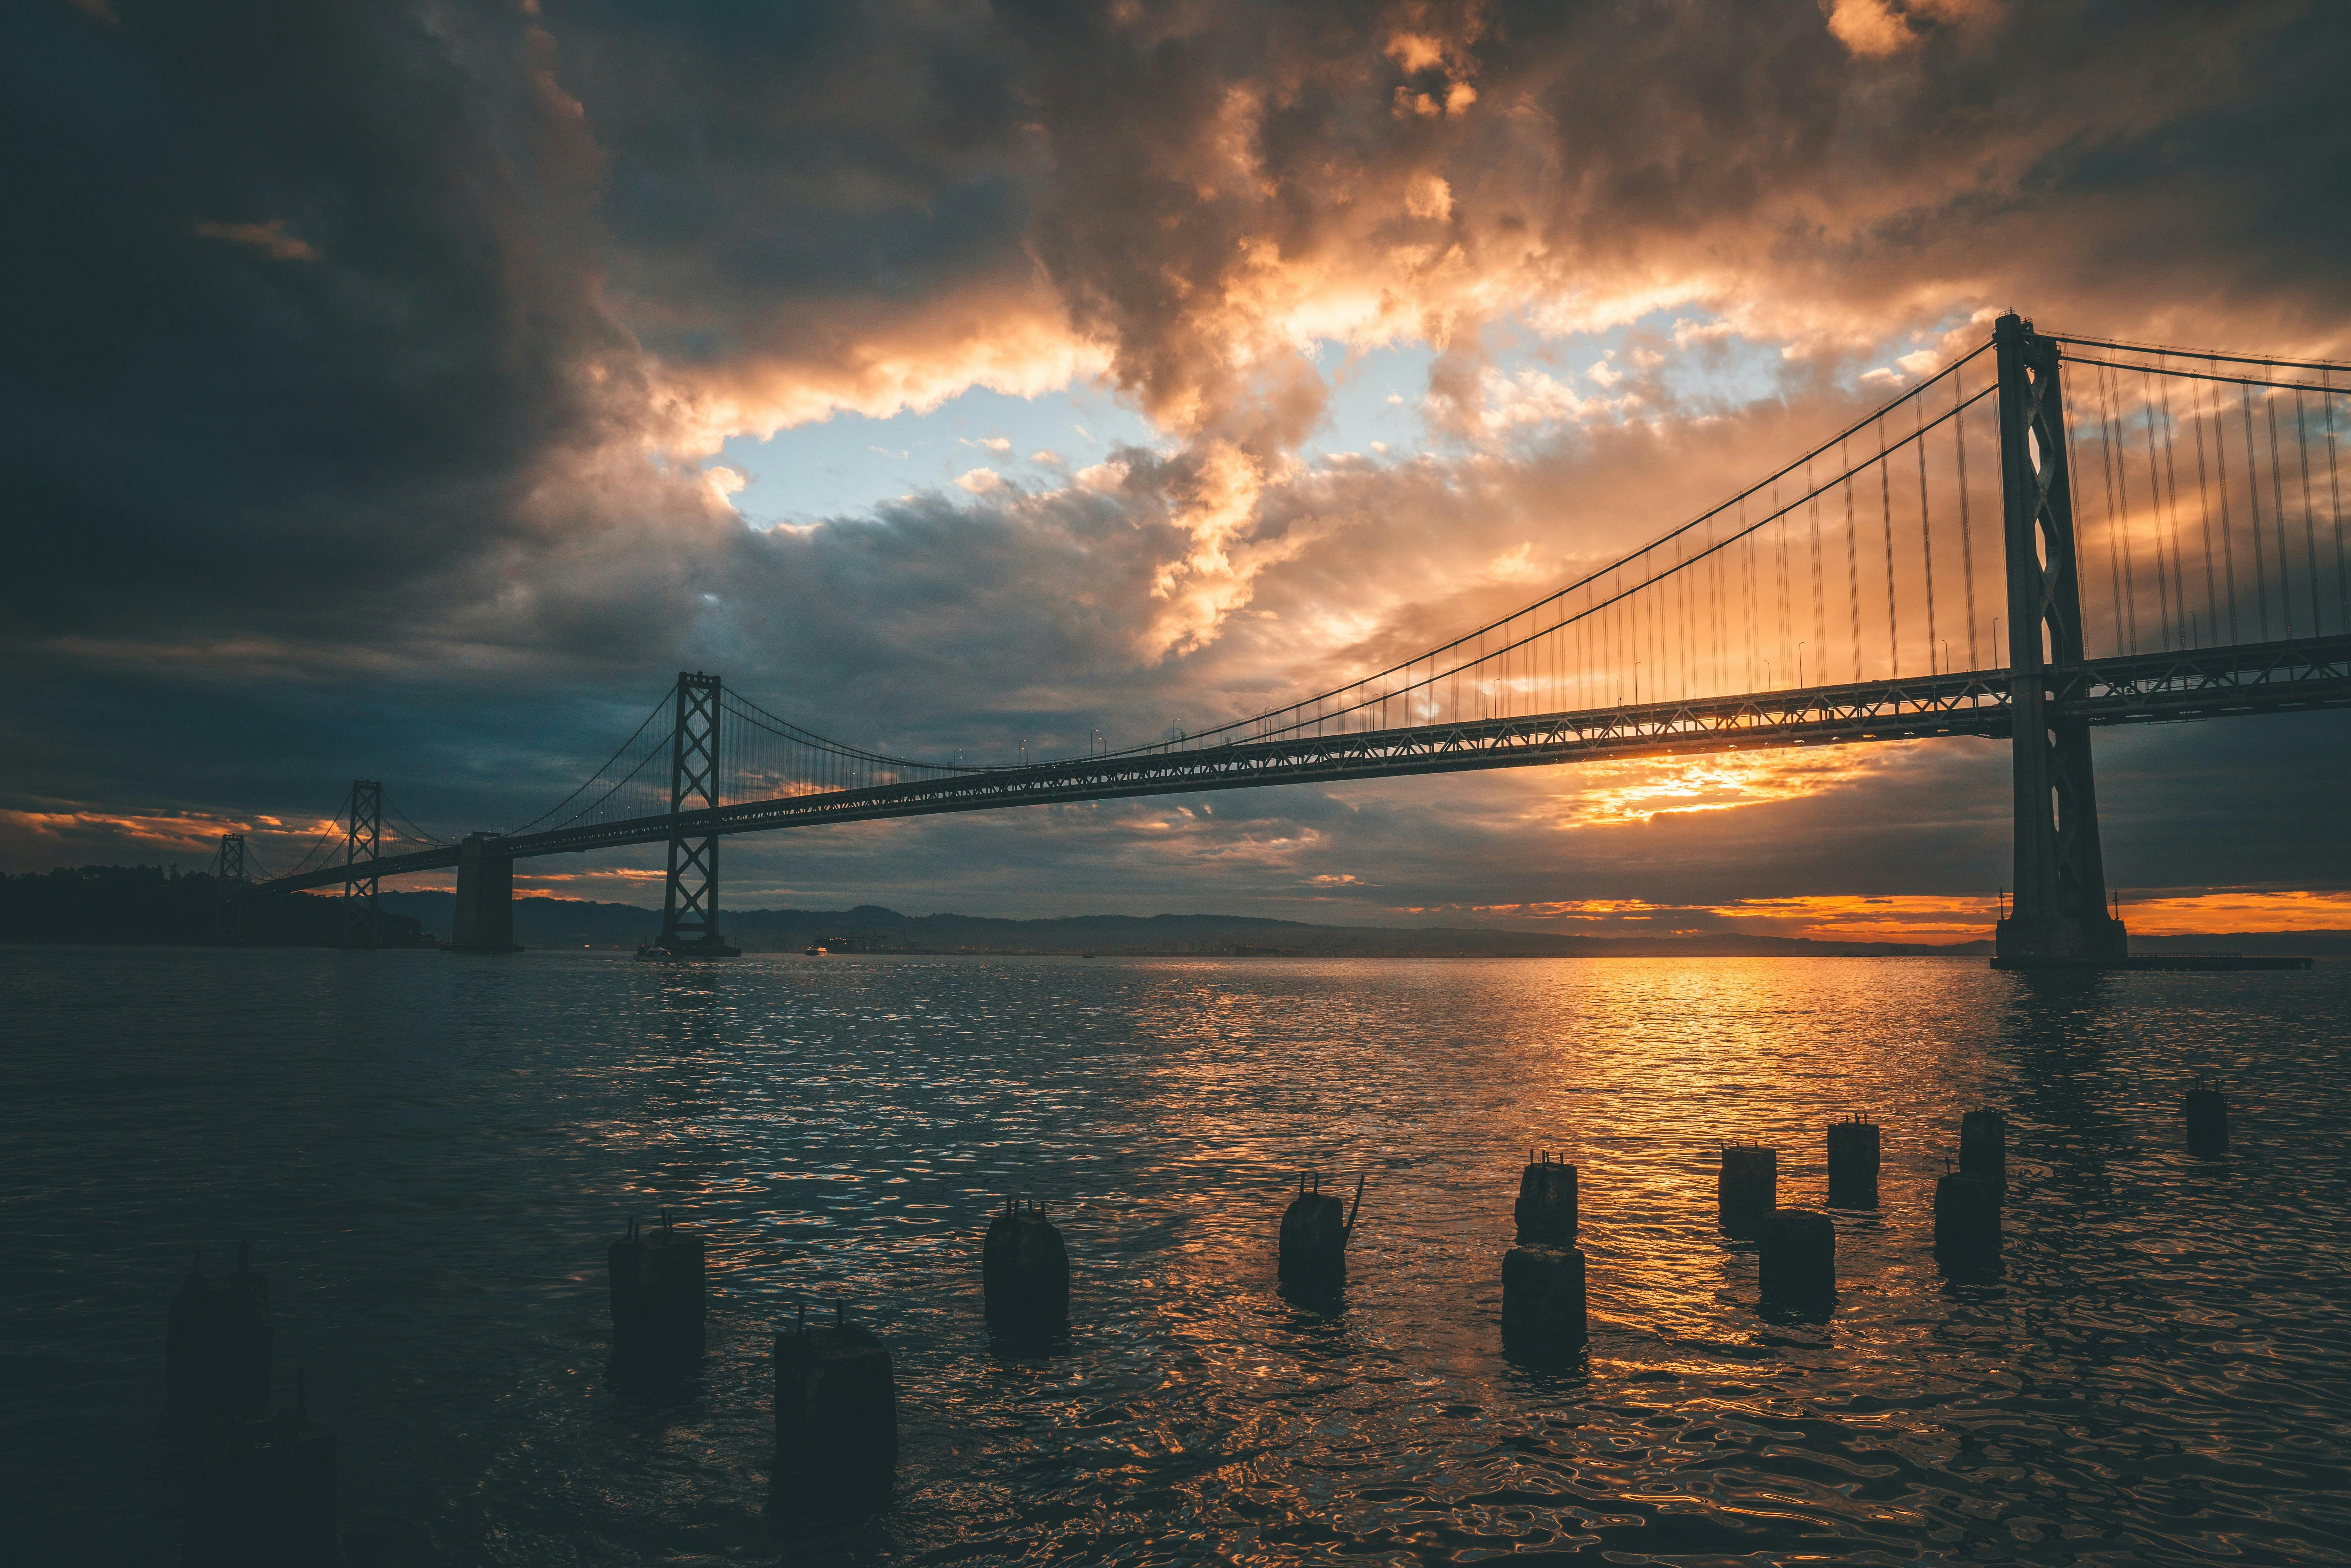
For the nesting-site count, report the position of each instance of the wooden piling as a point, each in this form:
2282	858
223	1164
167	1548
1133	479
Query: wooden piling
261	1490
1545	1213
1983	1145
1542	1298
1853	1164
1966	1220
1314	1232
1747	1188
1025	1274
1796	1262
1542	1276
836	1416
658	1295
2205	1108
217	1345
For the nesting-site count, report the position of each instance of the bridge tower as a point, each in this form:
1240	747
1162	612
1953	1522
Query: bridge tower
362	839
2059	913
690	903
228	892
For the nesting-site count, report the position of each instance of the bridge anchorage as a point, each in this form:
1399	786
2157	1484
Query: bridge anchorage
2157	529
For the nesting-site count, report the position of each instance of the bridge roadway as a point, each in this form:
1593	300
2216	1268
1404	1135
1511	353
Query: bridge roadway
2306	674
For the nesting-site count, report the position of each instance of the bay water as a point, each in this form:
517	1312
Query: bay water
430	1154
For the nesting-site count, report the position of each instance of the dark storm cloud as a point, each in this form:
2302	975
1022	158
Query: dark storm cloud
210	434
367	352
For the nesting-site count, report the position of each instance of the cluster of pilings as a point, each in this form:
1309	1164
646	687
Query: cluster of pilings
836	1397
258	1485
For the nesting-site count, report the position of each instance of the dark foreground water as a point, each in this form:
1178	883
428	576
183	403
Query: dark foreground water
431	1153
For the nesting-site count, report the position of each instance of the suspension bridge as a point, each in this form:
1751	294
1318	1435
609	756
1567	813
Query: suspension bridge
2160	540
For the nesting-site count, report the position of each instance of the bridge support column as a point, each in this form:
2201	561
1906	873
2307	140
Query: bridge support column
690	903
228	892
2059	915
362	842
485	919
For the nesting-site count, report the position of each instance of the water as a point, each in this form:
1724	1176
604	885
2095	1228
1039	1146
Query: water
431	1153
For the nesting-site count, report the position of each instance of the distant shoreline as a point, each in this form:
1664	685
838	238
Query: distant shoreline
145	907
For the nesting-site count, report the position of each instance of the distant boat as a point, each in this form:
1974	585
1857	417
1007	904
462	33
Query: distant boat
647	950
812	951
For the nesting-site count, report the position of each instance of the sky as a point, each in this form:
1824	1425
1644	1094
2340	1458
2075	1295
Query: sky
409	391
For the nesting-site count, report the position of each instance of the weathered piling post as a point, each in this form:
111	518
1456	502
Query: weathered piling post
658	1305
1314	1232
217	1344
261	1490
1545	1212
1967	1221
1542	1276
1983	1145
1853	1164
1796	1262
1747	1188
2207	1110
1025	1274
836	1416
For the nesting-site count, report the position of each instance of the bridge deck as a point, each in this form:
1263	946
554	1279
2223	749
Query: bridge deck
2252	678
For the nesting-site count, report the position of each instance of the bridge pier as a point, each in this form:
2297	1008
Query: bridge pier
2059	918
484	920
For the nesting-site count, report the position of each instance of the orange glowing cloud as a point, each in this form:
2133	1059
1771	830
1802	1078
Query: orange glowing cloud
178	834
2181	913
1612	794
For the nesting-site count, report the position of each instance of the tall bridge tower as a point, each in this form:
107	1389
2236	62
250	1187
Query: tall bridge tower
690	900
2060	908
229	888
362	843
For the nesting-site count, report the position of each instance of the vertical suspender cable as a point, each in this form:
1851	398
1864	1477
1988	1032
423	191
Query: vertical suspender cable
2277	518
1926	527
2155	515
1819	602
2114	519
1966	525
1885	517
2122	487
1852	558
1718	634
2204	513
2254	500
2334	493
1754	626
2309	523
1779	526
2171	482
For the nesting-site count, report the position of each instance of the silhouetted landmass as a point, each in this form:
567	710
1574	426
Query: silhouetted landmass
147	904
574	922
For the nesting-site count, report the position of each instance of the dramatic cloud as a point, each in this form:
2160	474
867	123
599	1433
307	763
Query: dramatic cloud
372	359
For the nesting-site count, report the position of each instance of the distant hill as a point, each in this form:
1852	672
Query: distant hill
870	928
144	904
573	923
149	904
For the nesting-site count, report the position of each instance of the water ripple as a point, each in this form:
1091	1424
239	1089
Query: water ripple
432	1152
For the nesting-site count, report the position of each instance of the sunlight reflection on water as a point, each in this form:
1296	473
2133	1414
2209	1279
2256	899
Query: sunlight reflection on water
431	1152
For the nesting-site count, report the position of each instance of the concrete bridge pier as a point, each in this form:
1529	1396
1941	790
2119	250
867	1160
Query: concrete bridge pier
2059	918
485	922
